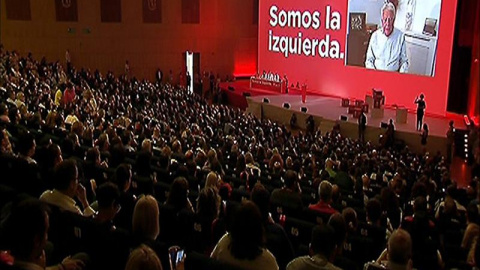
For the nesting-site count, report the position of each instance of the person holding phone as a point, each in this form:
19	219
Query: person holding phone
176	257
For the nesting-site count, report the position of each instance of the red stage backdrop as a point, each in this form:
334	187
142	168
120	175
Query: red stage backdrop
323	44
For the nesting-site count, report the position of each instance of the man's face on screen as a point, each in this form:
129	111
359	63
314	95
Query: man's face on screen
388	18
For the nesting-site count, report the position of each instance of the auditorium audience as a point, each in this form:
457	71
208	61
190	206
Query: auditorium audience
97	119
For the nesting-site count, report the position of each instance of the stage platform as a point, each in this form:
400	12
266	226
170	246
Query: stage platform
327	111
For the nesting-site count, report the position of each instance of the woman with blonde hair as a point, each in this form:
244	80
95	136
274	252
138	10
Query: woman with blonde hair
145	223
143	258
146	228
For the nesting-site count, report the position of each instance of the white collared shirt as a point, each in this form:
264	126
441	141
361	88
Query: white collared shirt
387	53
64	202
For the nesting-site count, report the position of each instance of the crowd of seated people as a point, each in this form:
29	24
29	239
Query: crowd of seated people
118	170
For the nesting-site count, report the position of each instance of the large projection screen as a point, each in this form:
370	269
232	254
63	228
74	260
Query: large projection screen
325	45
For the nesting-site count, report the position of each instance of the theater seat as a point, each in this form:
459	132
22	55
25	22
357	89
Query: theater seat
299	232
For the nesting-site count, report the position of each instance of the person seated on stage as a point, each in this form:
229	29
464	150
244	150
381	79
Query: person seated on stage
387	49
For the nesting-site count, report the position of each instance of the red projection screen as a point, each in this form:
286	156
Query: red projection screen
324	44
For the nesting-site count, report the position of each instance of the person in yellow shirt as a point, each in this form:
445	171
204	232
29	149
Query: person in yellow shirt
58	97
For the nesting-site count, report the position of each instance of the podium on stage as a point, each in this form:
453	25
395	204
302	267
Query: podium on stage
378	103
369	100
378	98
401	115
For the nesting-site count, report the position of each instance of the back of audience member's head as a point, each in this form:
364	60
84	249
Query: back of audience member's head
419	189
351	220
374	210
323	240
450	207
247	232
13	114
143	258
399	248
325	191
26	144
122	176
338	224
261	197
26	229
336	194
451	191
249	158
208	203
93	155
420	205
147	145
107	195
65	172
53	156
178	195
290	179
146	223
212	180
3	109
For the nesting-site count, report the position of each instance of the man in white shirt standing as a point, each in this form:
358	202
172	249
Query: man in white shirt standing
387	49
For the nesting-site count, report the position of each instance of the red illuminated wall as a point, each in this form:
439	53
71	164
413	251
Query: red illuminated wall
330	76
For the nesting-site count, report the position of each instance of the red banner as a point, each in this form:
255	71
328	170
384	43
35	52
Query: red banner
66	10
18	10
111	10
152	11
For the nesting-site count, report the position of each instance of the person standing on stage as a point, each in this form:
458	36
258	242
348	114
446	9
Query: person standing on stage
362	125
421	105
450	141
285	82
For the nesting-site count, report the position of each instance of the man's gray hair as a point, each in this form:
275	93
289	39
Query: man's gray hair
388	6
